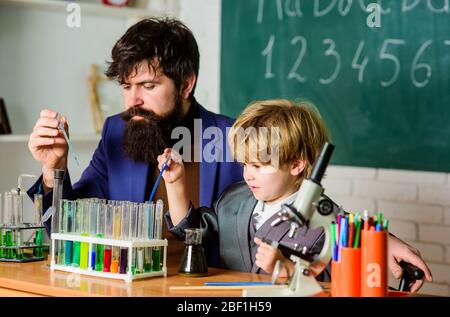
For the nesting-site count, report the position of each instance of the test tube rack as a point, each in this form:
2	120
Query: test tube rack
17	251
129	244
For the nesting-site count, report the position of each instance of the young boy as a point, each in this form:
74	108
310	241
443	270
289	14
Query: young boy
275	163
241	217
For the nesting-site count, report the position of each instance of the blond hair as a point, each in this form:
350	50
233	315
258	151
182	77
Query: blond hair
301	133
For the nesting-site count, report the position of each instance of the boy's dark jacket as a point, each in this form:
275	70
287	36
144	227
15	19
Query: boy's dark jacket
228	230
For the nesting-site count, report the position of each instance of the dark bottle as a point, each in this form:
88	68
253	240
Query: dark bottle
193	261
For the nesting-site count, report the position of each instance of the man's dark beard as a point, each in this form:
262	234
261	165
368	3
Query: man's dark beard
145	139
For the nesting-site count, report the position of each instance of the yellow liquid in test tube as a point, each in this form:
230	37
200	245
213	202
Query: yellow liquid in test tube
84	253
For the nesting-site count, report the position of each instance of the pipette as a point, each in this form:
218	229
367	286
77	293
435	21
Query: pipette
158	179
66	137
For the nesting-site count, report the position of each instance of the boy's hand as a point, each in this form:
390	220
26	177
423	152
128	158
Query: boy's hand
176	188
267	256
175	167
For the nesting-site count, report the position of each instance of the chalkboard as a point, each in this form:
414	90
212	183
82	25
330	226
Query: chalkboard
384	91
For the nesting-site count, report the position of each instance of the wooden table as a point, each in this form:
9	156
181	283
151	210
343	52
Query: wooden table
36	279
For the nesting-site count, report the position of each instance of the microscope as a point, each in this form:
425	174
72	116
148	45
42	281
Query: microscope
314	209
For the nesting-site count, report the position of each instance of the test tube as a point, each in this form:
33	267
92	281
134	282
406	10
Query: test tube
127	210
148	252
93	230
100	233
142	230
68	214
77	229
84	248
61	228
8	220
38	208
116	235
57	195
109	222
157	234
134	232
18	212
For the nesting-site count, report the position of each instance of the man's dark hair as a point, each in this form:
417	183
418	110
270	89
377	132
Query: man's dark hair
168	41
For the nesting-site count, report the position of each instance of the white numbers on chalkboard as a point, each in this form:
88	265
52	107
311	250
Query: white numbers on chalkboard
293	74
268	52
417	66
331	52
420	71
391	57
362	66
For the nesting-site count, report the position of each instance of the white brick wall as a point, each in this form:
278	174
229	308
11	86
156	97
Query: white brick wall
429	251
416	203
403	229
434	194
385	190
434	233
447	216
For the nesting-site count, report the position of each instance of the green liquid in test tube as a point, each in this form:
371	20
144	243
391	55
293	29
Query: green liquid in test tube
38	239
9	209
78	229
37	252
158	235
18	212
148	252
68	208
9	243
62	219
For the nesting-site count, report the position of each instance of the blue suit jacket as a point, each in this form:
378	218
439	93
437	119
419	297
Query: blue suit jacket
112	175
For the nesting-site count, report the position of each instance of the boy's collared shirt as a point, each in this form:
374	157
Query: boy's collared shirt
264	211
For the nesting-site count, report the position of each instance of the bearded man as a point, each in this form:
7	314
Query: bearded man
156	62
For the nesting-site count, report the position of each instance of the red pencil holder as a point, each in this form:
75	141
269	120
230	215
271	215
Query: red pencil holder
345	274
374	263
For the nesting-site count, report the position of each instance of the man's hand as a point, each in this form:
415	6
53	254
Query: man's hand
48	146
399	250
267	256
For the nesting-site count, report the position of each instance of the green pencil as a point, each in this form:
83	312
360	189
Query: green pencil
386	224
357	233
333	239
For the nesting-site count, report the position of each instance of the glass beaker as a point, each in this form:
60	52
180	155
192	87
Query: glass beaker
193	261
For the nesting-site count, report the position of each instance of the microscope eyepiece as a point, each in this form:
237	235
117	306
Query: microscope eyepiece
320	165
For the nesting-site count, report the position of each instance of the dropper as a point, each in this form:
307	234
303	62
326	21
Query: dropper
66	137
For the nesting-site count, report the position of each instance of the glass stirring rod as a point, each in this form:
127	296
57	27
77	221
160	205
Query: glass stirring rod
69	143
